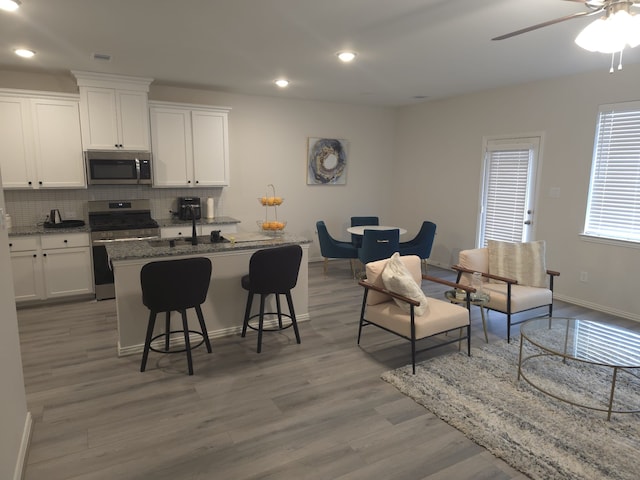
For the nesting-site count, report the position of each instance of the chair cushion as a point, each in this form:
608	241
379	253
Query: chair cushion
524	262
397	278
374	276
439	317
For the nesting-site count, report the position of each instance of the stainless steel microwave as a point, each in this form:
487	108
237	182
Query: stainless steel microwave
118	167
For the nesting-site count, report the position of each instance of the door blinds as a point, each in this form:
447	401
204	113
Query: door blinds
506	183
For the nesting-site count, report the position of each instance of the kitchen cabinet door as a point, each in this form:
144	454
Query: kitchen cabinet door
189	145
210	149
40	142
67	271
27	275
16	148
58	144
171	146
133	120
114	119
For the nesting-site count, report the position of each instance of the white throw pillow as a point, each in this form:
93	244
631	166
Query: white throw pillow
398	279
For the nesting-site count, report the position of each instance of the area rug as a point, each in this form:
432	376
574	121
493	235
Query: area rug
536	434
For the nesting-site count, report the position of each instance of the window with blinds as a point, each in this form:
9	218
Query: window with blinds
506	192
613	206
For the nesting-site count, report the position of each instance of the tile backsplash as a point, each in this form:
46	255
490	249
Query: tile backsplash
29	207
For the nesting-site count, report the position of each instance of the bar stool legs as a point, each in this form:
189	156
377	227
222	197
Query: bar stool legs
260	328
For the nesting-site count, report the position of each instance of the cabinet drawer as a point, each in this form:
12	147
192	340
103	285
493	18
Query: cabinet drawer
65	240
23	244
224	228
171	232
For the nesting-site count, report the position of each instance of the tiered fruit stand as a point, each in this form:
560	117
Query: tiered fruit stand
271	204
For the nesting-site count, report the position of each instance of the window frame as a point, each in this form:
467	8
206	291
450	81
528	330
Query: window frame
590	232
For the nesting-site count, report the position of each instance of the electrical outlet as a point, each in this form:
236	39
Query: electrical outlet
584	277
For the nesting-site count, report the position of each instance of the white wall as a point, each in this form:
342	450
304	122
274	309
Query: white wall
15	422
439	164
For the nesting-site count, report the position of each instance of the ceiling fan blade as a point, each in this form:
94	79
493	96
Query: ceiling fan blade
547	23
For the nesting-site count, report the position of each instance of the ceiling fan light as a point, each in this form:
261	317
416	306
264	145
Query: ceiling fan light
590	36
9	5
633	31
605	35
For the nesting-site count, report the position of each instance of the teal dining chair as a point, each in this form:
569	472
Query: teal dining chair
332	248
358	222
378	244
421	244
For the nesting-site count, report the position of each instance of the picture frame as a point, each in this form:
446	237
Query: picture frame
327	161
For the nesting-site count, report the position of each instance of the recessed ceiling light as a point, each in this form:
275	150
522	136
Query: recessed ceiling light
346	56
9	5
25	53
282	83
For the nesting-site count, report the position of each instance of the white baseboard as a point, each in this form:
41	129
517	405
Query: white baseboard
600	308
21	461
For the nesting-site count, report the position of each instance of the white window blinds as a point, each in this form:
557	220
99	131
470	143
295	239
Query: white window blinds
505	196
613	208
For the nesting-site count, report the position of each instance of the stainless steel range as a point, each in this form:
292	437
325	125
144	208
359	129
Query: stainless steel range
116	221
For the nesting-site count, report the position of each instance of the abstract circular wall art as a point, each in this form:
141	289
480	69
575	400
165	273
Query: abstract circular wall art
327	161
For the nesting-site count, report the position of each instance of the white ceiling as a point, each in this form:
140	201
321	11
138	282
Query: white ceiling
407	48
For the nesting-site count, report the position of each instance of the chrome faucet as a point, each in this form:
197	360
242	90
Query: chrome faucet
194	235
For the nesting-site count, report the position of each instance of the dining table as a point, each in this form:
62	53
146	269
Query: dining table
359	230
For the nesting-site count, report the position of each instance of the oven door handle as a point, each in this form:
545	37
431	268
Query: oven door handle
112	240
138	170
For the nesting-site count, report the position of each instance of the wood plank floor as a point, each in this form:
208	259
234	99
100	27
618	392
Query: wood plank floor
312	411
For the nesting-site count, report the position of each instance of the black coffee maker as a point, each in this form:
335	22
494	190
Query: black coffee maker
186	205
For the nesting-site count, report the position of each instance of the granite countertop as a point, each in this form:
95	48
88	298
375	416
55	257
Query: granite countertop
176	222
119	251
41	230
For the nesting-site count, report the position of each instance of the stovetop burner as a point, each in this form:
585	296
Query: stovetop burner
120	215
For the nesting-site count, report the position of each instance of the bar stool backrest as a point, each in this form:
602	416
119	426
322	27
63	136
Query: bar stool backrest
275	270
175	284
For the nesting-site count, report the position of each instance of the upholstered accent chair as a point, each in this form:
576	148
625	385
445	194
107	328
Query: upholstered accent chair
393	301
513	274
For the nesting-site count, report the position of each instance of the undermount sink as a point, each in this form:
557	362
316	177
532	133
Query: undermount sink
180	241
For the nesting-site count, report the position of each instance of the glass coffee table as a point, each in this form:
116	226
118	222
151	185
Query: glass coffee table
478	299
608	349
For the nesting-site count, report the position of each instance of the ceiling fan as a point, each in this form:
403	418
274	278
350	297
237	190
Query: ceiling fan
608	7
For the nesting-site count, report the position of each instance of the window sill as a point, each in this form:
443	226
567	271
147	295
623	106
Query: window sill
609	241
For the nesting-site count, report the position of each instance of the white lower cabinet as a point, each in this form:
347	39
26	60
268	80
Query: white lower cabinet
51	266
26	265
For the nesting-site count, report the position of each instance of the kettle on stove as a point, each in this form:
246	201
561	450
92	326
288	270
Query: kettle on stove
54	216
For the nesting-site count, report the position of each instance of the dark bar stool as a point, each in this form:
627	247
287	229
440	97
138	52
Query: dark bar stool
272	271
175	285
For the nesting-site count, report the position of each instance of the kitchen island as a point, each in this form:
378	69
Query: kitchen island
224	308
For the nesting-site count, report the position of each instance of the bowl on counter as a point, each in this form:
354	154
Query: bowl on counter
271	226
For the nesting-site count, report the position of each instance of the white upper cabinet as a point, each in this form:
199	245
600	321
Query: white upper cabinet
58	144
113	111
190	145
40	141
